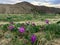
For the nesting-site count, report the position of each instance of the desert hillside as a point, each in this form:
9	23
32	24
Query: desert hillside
25	7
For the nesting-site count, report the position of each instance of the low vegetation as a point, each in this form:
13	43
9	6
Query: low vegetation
29	33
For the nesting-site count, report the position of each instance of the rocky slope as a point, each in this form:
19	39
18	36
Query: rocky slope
25	7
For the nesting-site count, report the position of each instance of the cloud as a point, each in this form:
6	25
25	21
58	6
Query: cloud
15	1
43	3
9	1
49	1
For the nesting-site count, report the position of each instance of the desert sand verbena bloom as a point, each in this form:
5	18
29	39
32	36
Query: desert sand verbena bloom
33	24
22	29
47	21
10	27
33	38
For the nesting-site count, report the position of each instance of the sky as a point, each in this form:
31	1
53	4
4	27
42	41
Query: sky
50	3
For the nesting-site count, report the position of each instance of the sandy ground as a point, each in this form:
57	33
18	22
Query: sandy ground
5	41
36	22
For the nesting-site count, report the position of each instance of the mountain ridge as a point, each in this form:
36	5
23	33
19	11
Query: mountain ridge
26	8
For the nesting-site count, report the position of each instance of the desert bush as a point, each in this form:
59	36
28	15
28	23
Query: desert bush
53	29
58	22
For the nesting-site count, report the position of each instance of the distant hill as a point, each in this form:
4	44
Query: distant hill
25	8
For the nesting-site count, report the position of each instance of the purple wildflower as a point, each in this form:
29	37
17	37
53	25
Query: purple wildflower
33	38
22	29
47	21
33	24
11	27
11	22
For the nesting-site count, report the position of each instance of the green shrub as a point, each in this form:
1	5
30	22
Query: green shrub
53	29
58	22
